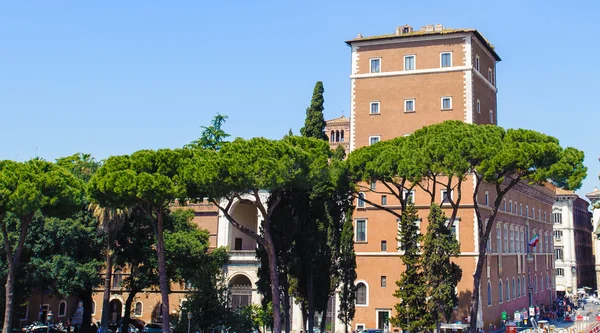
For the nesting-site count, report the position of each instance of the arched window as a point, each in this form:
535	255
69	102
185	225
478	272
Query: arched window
489	293
499	238
138	309
548	281
93	308
62	309
500	296
337	136
535	289
507	290
342	136
523	286
518	287
361	294
514	289
332	136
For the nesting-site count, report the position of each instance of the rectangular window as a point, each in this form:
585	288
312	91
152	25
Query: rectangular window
373	185
512	240
490	75
498	238
384	200
477	62
506	238
527	210
453	228
557	218
558	235
361	230
238	244
446	195
360	202
383	246
383	282
409	196
117	281
491	116
487	199
375	65
409	105
409	62
558	252
478	106
446	59
560	272
373	140
446	103
375	108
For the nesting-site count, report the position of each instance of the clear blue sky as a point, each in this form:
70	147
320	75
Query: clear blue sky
113	77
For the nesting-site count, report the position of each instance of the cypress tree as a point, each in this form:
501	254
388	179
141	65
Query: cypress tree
314	124
411	314
441	274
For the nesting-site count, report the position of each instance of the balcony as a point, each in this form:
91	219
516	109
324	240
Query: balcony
239	256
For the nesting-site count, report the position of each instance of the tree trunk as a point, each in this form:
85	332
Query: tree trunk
324	318
304	315
106	297
275	291
286	303
476	284
127	316
311	300
162	272
86	321
13	264
10	286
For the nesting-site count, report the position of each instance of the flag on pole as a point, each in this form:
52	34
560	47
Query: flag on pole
534	240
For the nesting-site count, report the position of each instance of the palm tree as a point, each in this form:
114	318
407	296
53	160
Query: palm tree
110	222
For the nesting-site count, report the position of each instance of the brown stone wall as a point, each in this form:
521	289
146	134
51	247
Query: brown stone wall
426	89
427	54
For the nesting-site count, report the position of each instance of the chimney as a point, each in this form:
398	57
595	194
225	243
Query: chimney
438	28
398	31
359	35
429	28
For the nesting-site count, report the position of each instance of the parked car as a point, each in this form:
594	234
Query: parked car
155	328
372	330
132	329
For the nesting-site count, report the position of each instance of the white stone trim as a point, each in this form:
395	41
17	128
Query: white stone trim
388	310
411	72
359	324
468	80
485	80
374	136
353	71
442	103
400	253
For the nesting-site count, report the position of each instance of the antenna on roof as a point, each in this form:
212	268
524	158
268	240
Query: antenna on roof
342	113
36	151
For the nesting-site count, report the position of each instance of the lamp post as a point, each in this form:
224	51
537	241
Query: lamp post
189	315
573	271
48	320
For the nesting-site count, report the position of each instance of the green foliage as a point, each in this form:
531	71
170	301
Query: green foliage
347	273
209	300
314	124
411	311
213	137
339	153
442	275
81	165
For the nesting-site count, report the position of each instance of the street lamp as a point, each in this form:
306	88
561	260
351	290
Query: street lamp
189	315
573	271
48	320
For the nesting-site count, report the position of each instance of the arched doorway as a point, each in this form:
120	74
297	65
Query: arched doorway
240	289
116	309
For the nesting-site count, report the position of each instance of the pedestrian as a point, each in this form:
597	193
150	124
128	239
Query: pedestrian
68	325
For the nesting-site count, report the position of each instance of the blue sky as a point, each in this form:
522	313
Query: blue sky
113	77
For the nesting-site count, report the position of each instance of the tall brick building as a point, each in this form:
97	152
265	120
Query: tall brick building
404	81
